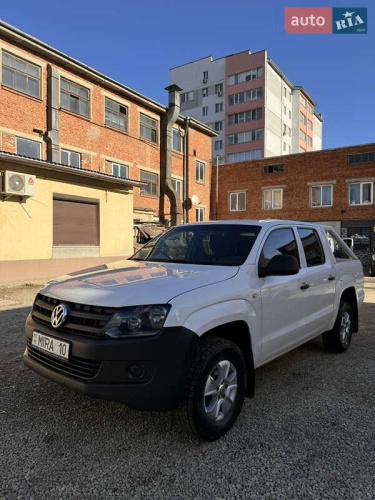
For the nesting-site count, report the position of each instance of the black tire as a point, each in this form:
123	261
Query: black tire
338	339
217	366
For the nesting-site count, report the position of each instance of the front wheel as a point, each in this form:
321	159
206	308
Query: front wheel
215	388
338	339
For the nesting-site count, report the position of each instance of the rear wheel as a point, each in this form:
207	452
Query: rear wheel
215	388
338	339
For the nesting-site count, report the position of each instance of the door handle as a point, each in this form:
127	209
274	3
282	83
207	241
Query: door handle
331	278
304	286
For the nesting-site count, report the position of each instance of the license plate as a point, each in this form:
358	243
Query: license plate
51	345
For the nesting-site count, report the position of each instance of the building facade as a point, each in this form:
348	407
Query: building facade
57	111
333	186
256	111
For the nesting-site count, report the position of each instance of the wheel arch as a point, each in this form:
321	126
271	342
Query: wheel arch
238	333
349	295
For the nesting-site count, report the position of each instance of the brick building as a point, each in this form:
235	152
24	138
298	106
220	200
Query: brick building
334	186
56	110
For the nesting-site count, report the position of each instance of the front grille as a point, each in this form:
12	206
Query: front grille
82	319
74	367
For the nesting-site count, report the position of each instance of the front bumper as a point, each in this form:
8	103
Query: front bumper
144	373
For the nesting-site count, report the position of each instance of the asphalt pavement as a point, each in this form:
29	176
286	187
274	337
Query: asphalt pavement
309	433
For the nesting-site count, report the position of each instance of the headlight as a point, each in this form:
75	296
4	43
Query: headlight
137	321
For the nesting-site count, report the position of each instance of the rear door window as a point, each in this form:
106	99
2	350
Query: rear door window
312	247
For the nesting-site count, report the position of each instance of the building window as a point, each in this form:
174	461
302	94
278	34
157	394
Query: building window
255	154
302	101
205	76
31	149
245	76
116	115
361	158
237	201
309	140
148	128
205	92
309	108
177	186
218	145
187	96
250	135
273	169
20	75
272	199
199	171
70	158
119	170
302	135
321	196
218	107
284	146
302	118
177	141
152	187
74	97
309	124
204	110
249	95
199	214
245	116
360	193
219	89
218	126
284	110
290	115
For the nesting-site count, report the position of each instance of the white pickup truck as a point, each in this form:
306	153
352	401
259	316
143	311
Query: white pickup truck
185	322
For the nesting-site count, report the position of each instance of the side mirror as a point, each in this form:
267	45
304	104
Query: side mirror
280	265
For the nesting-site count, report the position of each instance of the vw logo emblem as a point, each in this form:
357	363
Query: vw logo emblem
59	315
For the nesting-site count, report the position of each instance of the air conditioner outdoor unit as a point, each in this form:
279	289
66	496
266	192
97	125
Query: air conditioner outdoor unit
18	184
205	80
219	93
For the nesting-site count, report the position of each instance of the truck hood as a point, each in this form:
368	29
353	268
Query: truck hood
129	282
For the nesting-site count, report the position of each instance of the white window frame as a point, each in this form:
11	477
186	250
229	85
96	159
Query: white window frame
321	204
218	144
177	186
273	192
70	155
199	214
200	171
361	184
204	110
236	201
120	167
22	139
177	141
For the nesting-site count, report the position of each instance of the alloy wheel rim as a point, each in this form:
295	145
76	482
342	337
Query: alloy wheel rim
220	390
345	329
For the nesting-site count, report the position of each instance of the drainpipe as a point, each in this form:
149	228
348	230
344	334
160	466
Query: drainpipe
185	169
166	158
52	135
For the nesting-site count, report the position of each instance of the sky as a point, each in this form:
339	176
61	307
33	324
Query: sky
136	43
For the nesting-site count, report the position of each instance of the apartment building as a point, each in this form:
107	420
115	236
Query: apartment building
255	109
333	186
92	155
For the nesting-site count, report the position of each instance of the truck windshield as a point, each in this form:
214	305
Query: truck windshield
206	244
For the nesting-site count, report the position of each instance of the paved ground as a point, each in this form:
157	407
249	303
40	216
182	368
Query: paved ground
308	434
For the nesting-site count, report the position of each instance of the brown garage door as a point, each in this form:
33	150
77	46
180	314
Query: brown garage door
75	222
